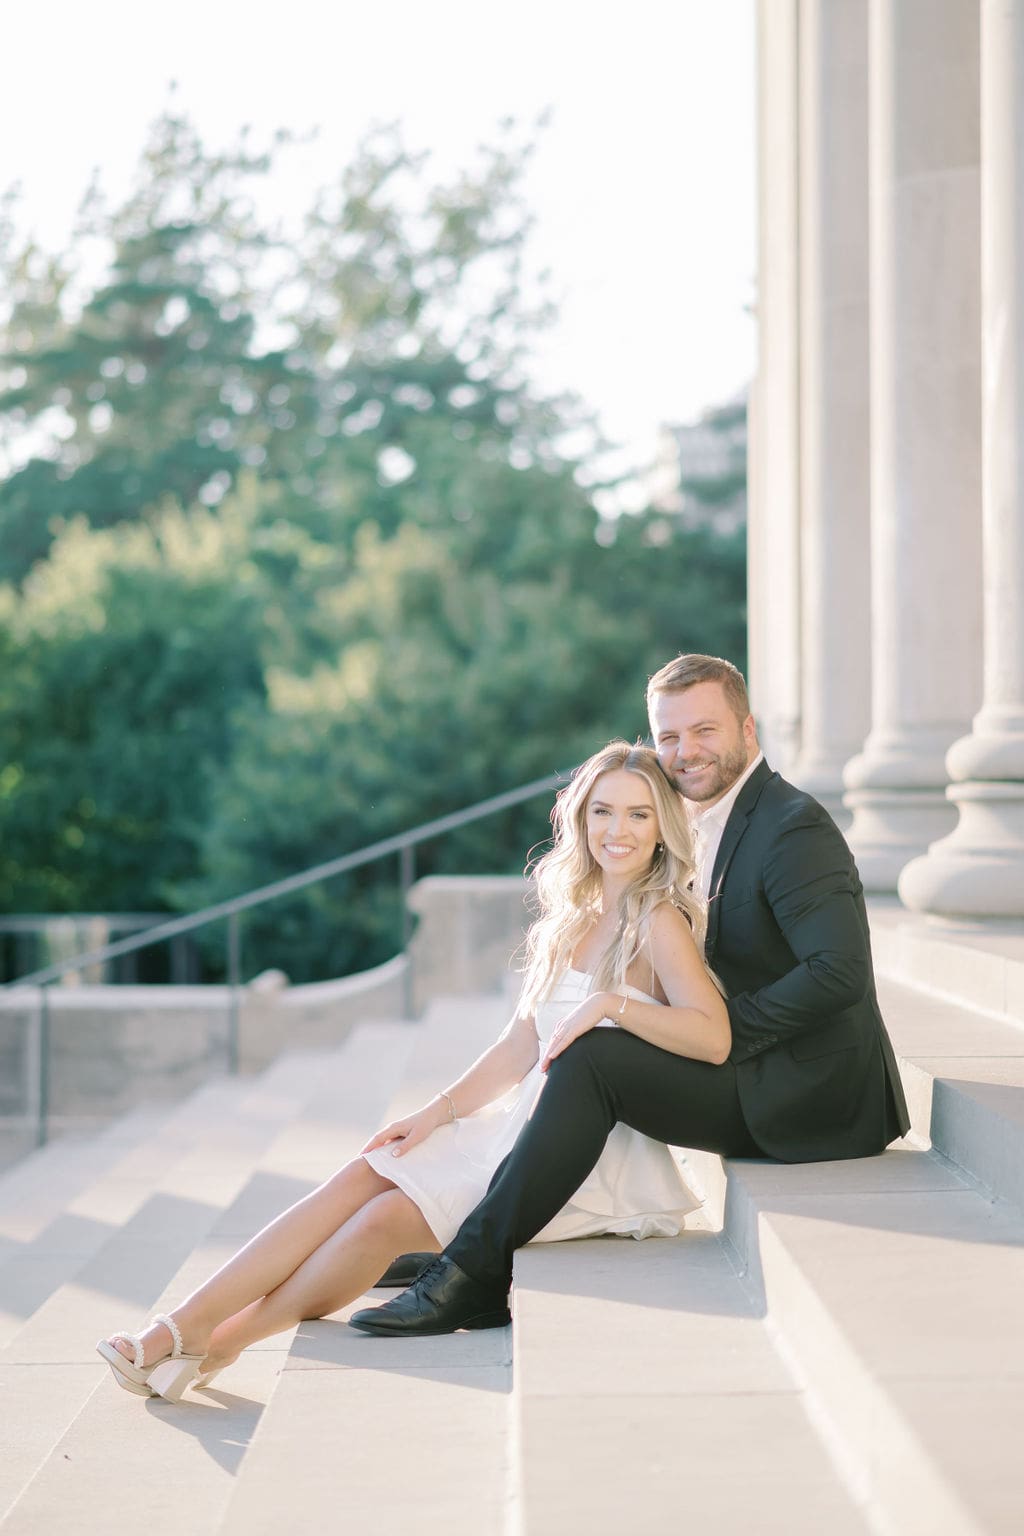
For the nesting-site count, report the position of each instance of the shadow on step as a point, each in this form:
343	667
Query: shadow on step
263	1197
32	1271
470	1358
691	1272
879	1205
671	1274
130	1268
222	1423
121	1257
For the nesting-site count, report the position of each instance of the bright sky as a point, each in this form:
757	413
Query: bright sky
643	186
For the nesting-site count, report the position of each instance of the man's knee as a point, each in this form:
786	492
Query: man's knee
595	1049
588	1060
575	1060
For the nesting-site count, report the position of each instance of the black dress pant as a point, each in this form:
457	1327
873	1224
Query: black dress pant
605	1076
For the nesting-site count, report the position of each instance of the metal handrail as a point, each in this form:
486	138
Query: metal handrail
30	928
401	842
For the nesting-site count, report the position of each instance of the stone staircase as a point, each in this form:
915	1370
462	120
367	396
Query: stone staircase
829	1348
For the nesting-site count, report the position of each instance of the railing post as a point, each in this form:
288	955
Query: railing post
43	1081
407	865
229	911
406	876
234	969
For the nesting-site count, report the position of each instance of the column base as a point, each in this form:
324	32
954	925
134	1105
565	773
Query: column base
978	869
911	760
993	751
891	827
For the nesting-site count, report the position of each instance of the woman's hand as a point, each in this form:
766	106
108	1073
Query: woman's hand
585	1016
413	1129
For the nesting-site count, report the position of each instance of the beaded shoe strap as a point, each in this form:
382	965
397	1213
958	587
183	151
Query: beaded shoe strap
172	1328
136	1344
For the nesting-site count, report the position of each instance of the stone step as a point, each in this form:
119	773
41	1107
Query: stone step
346	1104
649	1394
397	1434
893	1286
963	1072
381	1434
833	1332
51	1231
37	1189
49	1362
977	964
454	1031
833	1379
185	1227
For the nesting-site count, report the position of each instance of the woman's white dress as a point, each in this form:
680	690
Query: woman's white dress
636	1186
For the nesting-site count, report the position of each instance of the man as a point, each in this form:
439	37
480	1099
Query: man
811	1074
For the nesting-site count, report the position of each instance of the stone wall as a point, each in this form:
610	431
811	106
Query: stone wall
111	1047
468	929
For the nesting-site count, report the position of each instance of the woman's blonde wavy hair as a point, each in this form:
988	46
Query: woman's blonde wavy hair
567	879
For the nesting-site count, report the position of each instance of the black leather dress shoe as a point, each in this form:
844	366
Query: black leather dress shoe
441	1300
403	1271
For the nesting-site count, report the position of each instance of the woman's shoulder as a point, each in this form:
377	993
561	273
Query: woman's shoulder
670	923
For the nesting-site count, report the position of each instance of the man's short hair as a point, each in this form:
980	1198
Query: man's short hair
681	673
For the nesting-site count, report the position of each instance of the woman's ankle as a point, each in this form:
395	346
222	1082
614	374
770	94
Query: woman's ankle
195	1338
217	1359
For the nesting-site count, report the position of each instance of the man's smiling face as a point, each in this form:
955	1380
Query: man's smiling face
701	742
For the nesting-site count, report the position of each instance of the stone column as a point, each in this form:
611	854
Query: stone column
979	869
925	425
835	501
774	479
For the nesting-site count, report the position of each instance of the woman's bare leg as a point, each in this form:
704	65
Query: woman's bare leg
342	1268
268	1259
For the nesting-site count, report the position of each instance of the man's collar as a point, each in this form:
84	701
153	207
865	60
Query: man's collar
719	812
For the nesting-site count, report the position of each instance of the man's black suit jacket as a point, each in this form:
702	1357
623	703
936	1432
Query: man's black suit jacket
788	937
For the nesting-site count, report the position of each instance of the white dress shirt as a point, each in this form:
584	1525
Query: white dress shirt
707	828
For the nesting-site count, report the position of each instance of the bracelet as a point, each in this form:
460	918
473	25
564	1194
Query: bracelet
622	1005
451	1107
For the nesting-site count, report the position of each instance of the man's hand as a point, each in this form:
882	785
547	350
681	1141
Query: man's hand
412	1130
585	1016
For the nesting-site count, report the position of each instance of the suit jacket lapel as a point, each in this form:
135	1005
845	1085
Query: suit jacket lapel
733	831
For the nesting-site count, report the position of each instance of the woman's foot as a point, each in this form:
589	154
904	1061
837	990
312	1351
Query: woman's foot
157	1344
157	1360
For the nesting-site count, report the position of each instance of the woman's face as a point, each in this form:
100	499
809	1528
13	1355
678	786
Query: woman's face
622	823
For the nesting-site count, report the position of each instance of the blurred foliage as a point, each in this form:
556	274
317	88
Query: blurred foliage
295	556
708	494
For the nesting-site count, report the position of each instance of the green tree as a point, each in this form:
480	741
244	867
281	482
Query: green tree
334	365
320	571
149	384
452	682
125	659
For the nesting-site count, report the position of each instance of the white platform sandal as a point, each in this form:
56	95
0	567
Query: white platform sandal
166	1378
132	1375
169	1378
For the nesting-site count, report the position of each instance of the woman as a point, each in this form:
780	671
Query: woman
616	924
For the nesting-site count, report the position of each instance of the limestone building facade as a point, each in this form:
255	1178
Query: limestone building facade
887	435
